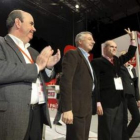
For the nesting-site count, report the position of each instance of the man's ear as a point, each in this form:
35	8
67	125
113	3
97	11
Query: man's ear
104	50
79	42
18	23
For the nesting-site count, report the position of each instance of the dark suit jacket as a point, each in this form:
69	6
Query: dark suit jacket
105	73
76	84
130	84
16	79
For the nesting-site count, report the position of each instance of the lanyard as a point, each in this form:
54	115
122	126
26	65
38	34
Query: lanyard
30	59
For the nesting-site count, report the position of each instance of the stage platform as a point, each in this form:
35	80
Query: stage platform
58	132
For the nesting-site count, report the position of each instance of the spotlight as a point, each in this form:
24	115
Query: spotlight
77	6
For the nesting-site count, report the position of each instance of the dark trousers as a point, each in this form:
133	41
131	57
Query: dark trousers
111	123
80	128
34	131
130	104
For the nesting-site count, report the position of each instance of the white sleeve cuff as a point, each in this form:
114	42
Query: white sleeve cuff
133	42
37	68
98	103
49	72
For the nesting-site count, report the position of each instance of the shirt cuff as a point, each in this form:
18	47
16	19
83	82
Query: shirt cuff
133	42
37	68
99	104
49	72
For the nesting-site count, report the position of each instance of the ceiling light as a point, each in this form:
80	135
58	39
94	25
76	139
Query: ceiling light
77	6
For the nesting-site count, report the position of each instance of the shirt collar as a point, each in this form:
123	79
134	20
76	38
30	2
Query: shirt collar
129	67
19	42
108	58
84	52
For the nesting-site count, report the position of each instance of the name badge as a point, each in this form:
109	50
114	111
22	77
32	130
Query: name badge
118	83
40	94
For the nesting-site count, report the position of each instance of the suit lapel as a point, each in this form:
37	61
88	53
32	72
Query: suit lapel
107	61
80	53
12	44
32	54
134	72
127	72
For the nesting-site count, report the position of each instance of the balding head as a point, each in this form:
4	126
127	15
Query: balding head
108	43
110	48
21	25
12	16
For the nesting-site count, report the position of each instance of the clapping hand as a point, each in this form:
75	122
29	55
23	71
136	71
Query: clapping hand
47	59
47	52
53	59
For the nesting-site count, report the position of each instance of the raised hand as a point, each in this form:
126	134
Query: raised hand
131	33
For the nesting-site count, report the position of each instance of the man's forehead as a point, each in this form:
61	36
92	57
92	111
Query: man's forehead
88	34
112	43
25	14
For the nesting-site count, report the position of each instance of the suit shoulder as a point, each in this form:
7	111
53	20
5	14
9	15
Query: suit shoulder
73	53
97	60
1	39
33	50
71	56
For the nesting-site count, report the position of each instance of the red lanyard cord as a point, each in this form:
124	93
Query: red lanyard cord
30	59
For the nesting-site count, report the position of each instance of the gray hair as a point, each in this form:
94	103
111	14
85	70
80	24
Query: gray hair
80	37
11	18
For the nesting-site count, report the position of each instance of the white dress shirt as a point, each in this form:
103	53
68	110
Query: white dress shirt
86	55
37	95
129	68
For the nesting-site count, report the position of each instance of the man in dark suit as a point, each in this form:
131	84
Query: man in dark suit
76	86
23	97
132	99
110	89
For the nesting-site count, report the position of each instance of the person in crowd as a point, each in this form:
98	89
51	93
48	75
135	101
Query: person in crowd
110	89
23	97
58	114
76	86
132	99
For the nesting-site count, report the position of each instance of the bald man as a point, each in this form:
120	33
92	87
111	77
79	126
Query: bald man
110	92
23	97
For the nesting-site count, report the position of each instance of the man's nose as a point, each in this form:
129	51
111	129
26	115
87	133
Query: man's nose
34	29
93	42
